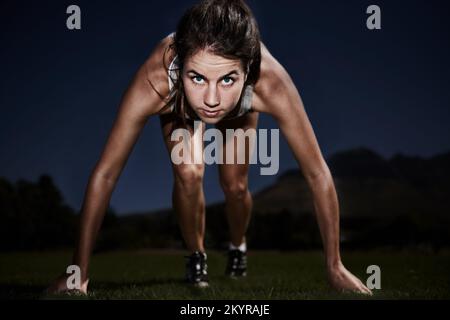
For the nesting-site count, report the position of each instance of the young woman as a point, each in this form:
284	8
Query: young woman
214	69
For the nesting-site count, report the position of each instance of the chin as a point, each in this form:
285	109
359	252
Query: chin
210	120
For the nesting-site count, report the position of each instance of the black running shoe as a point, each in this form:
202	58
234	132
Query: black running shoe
237	263
196	269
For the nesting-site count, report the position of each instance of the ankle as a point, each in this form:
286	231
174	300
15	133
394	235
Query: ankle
242	247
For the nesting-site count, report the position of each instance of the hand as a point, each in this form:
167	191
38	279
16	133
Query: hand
343	280
59	286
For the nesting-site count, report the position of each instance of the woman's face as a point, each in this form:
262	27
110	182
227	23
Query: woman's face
212	85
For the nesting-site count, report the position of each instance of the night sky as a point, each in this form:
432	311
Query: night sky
387	89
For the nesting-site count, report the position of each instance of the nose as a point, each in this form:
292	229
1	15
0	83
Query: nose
211	98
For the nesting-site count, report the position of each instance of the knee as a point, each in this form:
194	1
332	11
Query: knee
235	188
189	177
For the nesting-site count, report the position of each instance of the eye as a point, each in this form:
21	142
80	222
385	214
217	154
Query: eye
228	81
197	79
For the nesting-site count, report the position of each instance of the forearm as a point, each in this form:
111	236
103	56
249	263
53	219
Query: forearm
326	209
95	204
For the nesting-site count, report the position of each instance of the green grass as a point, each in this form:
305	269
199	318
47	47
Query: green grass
272	275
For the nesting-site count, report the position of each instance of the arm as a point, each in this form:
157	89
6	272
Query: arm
278	96
138	103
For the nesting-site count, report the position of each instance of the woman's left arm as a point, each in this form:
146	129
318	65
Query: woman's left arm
276	94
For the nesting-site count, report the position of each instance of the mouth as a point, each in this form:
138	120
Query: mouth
210	114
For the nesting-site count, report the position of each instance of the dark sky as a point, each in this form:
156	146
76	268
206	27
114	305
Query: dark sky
387	90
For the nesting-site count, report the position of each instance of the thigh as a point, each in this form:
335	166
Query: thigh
231	172
168	125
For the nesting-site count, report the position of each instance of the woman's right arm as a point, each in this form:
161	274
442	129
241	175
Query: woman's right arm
139	102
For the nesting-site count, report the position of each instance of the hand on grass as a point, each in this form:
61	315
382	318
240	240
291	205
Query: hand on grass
59	286
343	280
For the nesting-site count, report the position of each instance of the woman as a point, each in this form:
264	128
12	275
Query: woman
215	69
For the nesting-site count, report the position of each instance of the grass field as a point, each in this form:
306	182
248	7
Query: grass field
272	275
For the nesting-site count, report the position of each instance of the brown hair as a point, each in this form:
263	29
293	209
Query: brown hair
228	29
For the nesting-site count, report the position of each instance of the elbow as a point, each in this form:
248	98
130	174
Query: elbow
320	179
105	176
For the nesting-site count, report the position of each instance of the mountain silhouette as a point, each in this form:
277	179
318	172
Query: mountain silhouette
402	202
368	185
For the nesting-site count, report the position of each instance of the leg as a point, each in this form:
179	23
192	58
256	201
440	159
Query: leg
234	180
187	196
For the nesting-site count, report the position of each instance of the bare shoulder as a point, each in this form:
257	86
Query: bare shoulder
271	83
156	66
159	59
148	91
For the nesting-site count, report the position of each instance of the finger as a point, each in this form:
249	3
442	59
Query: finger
369	292
366	290
363	288
359	288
